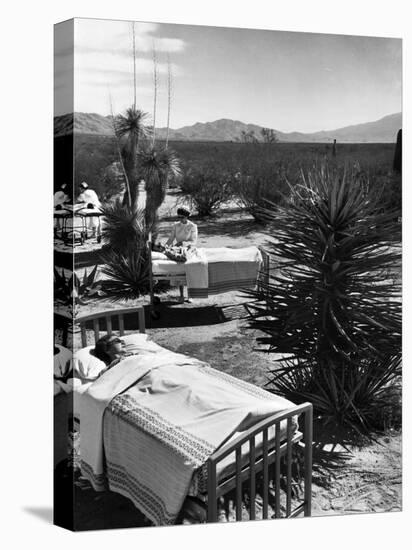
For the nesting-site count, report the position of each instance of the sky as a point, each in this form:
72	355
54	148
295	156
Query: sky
288	81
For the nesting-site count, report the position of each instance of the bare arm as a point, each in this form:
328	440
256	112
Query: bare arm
172	236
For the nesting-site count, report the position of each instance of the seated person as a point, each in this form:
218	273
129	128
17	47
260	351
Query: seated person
111	350
184	232
89	198
60	199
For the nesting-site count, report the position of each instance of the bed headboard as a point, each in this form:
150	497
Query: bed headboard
108	316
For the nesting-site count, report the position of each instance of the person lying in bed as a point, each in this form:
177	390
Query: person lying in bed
111	350
184	232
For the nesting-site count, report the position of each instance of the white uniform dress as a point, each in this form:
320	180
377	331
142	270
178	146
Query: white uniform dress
60	198
183	234
88	196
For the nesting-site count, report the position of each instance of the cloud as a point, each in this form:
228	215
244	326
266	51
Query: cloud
115	37
103	54
108	65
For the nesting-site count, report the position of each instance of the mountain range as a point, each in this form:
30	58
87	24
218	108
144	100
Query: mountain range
383	130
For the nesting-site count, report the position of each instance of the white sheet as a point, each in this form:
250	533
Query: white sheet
167	415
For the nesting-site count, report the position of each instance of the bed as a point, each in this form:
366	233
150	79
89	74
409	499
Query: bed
62	368
212	271
173	428
71	223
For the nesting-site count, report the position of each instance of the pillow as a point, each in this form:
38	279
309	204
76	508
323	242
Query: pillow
86	366
158	255
62	362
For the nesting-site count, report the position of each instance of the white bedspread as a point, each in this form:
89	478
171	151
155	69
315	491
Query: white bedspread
164	416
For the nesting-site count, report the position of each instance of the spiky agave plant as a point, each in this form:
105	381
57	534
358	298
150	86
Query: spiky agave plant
73	289
127	273
122	226
130	128
333	308
125	256
157	164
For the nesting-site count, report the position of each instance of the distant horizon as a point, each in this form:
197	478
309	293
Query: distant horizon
247	123
278	79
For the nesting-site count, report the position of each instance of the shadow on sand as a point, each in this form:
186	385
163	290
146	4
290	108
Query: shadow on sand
173	315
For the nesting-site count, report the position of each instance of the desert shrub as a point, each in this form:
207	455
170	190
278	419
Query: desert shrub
258	183
333	308
125	255
113	181
72	289
127	272
94	153
90	163
206	187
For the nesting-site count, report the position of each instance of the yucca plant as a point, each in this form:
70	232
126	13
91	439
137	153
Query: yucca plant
157	165
130	128
333	308
127	273
122	226
125	256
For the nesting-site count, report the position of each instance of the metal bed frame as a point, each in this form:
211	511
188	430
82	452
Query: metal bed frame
266	463
262	280
73	234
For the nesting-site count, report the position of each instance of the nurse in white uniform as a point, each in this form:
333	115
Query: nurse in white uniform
60	198
91	200
184	232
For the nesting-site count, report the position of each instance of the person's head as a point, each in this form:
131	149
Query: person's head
108	348
63	187
183	214
83	186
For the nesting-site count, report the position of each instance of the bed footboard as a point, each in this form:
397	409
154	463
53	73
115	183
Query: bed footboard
264	470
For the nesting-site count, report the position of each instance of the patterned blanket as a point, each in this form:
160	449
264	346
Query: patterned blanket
210	271
229	269
160	429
